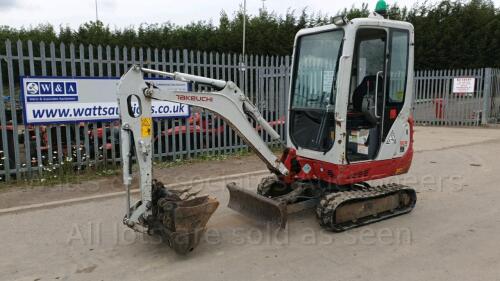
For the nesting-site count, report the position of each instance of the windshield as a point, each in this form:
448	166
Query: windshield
316	67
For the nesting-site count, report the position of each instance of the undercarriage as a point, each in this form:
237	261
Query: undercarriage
180	217
338	208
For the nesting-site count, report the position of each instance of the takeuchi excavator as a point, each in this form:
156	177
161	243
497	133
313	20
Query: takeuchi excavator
348	122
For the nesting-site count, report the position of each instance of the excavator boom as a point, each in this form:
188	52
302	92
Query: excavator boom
160	209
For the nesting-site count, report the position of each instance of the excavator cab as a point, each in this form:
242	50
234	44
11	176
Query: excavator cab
350	79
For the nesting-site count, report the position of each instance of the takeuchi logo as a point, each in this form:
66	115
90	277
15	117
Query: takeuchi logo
198	98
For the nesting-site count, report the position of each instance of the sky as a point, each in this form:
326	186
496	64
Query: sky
126	13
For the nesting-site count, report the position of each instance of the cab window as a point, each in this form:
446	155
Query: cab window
398	66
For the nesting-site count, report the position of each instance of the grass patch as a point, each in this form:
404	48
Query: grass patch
205	157
67	173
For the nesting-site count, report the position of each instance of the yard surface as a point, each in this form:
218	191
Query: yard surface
451	235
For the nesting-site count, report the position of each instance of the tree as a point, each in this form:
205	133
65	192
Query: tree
449	34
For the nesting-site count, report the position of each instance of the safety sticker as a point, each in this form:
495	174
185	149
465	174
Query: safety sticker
402	146
391	139
306	168
399	96
362	149
146	123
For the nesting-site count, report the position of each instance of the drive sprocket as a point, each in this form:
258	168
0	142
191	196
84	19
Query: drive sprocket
272	186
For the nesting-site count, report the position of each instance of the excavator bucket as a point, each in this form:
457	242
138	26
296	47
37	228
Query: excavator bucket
189	221
257	207
182	222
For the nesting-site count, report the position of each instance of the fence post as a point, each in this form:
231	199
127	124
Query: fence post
187	132
12	94
486	96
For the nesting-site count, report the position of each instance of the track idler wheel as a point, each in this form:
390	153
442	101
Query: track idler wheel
272	186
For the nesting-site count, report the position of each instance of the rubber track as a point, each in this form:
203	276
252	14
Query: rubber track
329	204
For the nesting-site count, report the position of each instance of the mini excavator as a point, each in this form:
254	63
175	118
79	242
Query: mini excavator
348	122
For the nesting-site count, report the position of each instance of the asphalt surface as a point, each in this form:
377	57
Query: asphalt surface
451	235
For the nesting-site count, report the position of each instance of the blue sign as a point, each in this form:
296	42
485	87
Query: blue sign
87	99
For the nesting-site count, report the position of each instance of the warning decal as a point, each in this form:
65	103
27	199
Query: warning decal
391	139
146	123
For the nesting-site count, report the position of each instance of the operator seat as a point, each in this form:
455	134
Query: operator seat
363	102
363	98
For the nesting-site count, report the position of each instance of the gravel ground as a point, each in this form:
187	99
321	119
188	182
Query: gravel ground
451	235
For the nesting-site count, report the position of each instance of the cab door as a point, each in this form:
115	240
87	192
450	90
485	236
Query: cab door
367	94
397	78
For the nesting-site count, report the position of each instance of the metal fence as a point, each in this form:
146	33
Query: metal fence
28	151
435	103
495	96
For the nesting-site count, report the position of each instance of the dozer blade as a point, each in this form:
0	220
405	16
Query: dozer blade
257	207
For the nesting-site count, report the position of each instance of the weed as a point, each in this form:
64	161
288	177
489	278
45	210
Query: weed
68	172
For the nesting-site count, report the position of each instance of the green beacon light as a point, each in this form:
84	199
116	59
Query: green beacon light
381	8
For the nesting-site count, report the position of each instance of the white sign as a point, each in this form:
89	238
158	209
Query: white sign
61	100
463	85
328	76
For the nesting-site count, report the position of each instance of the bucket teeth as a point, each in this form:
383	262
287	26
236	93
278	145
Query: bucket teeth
181	191
189	195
